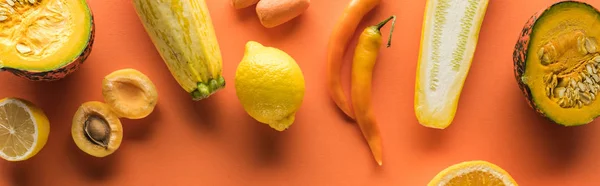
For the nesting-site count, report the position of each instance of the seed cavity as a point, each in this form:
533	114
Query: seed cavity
575	83
576	88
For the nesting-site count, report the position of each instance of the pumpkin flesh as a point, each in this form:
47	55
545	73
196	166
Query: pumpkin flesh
44	36
561	33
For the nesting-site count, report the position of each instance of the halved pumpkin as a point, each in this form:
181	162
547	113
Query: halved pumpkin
557	62
44	39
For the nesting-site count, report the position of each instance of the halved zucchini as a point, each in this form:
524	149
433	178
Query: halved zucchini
449	37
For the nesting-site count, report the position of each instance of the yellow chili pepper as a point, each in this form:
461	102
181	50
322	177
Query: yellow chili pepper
365	56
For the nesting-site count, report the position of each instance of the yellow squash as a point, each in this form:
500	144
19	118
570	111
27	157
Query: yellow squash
556	61
183	33
45	40
448	40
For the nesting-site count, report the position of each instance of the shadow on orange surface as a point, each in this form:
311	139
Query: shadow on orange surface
268	145
560	145
429	139
141	129
263	146
19	173
205	113
246	14
92	168
54	96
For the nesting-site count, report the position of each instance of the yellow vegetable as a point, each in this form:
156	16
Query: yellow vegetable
183	33
448	40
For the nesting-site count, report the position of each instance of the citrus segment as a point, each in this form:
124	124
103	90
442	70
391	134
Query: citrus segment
24	129
475	173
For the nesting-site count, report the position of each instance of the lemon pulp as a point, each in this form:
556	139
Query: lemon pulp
23	129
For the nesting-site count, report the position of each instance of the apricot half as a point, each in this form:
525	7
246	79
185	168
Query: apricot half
96	129
130	93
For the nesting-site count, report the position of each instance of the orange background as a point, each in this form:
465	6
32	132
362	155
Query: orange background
214	142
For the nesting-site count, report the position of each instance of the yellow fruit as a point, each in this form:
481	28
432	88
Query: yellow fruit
96	129
24	129
475	173
269	85
130	93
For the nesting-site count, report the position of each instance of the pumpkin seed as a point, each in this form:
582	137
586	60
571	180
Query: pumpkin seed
581	46
589	81
586	99
597	59
560	92
590	45
540	52
23	49
561	102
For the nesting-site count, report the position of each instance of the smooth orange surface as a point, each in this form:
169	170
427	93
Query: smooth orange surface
214	142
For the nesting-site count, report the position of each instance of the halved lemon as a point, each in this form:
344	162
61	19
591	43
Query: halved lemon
473	173
24	129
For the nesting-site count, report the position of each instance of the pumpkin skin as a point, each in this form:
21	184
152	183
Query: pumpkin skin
520	58
524	50
80	50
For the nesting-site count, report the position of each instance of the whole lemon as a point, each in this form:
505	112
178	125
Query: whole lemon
270	85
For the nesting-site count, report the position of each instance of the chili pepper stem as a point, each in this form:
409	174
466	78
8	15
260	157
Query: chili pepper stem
381	24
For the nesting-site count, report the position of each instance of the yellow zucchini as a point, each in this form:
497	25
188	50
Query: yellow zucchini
448	40
183	33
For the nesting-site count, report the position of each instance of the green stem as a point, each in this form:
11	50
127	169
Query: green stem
381	24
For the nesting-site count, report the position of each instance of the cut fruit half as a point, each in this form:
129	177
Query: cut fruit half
96	129
557	61
473	173
24	129
44	39
130	93
448	40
